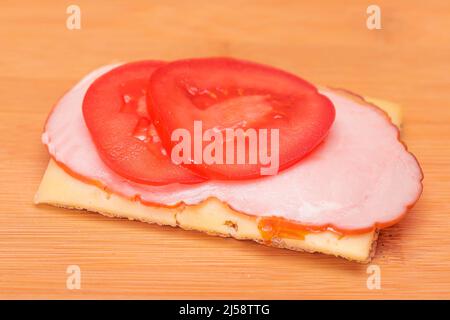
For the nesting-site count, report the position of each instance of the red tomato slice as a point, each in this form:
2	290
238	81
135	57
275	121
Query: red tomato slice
115	112
228	93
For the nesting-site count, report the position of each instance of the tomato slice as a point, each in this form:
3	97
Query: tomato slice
115	112
225	93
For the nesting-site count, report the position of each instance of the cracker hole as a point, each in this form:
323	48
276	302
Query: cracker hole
231	224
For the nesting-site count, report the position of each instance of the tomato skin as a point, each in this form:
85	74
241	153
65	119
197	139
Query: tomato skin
115	113
185	91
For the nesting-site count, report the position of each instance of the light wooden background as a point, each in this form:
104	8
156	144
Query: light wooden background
327	42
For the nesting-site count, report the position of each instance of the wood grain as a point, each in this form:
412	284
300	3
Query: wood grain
327	42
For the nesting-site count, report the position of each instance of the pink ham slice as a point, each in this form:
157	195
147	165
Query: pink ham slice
360	177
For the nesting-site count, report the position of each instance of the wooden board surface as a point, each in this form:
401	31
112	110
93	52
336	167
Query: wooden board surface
327	42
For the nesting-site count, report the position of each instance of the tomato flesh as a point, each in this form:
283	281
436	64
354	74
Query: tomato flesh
225	93
116	113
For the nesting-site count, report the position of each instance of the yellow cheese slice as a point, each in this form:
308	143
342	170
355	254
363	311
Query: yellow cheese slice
212	216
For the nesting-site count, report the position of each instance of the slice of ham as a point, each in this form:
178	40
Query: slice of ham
361	177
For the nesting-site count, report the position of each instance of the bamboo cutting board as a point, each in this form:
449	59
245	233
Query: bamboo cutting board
326	42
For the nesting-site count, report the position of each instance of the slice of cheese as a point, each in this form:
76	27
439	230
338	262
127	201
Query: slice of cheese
212	216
